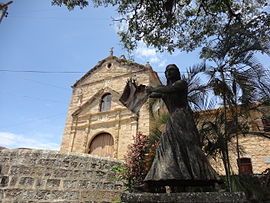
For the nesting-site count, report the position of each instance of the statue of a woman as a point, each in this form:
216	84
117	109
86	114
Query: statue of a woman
179	160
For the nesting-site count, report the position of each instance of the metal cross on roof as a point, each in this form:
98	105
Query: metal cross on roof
111	51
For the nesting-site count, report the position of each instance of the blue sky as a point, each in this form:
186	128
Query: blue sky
39	37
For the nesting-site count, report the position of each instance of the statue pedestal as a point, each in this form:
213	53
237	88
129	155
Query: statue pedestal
184	197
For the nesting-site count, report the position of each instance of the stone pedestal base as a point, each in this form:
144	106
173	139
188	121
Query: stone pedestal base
184	197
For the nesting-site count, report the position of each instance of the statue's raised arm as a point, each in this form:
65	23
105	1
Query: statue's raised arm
179	85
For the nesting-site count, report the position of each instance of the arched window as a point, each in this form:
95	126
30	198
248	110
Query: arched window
105	104
102	145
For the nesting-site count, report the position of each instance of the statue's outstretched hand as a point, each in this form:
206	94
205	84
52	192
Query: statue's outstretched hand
149	89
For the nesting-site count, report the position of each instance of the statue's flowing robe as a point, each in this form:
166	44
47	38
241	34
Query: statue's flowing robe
179	160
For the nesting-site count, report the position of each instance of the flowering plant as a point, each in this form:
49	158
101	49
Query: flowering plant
137	161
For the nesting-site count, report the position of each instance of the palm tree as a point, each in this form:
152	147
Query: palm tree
233	75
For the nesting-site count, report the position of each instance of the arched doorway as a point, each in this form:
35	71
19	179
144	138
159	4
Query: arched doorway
102	145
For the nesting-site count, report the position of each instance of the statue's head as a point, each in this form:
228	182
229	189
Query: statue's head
172	73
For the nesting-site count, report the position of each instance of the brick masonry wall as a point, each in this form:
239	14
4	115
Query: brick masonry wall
51	176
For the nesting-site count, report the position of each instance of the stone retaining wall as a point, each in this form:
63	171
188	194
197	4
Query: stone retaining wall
51	176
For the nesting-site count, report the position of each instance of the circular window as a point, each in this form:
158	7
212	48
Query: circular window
109	65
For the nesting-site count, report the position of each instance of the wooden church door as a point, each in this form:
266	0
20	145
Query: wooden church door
102	145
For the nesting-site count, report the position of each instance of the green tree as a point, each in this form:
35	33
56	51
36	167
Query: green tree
233	78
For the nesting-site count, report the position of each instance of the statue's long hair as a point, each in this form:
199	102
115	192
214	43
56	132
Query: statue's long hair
177	76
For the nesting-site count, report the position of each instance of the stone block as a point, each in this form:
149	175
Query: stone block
53	183
13	181
119	187
21	170
46	162
61	173
89	174
62	201
76	173
66	162
83	165
203	197
4	181
65	195
40	183
96	185
4	169
39	171
56	163
56	155
100	175
108	186
12	194
31	161
42	195
44	154
99	196
35	155
70	183
26	181
94	165
74	164
21	202
13	156
84	184
48	173
111	176
4	159
27	195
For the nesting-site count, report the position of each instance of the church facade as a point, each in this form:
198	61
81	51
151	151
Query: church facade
97	122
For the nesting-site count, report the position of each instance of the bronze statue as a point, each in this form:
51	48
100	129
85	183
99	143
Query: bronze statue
179	160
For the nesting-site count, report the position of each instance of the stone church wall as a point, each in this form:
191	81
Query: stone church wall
253	147
51	176
119	122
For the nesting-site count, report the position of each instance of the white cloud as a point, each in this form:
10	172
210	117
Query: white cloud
120	26
143	54
11	140
150	55
147	52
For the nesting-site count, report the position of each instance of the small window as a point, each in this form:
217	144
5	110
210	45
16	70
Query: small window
105	104
266	124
